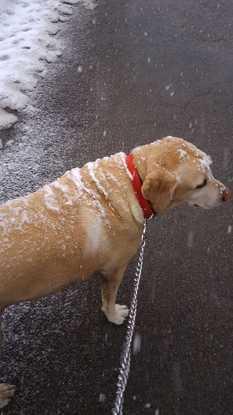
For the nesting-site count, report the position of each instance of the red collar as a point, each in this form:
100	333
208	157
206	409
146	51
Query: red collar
137	185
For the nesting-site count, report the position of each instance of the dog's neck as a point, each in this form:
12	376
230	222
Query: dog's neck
140	161
145	205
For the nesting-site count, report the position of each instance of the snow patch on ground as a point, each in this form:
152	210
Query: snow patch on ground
89	4
6	120
27	44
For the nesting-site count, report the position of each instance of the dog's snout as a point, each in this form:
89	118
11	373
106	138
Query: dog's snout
226	195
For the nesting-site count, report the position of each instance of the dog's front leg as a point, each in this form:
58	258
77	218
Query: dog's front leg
115	313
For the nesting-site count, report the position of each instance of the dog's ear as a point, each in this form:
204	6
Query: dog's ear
158	187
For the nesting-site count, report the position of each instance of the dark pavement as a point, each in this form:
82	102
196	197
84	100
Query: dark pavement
148	69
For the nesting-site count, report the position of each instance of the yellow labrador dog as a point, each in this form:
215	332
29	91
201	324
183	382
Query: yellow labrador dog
91	219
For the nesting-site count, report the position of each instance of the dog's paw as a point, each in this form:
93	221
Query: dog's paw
6	393
118	314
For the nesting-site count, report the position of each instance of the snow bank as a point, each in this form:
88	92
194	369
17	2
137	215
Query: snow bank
27	44
6	120
89	4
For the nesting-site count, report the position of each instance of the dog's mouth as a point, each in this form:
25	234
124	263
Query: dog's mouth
206	207
196	205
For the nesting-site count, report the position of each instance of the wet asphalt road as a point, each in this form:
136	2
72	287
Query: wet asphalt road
148	69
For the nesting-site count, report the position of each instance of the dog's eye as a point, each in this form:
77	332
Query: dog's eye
202	184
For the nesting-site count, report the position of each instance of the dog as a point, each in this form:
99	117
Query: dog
91	219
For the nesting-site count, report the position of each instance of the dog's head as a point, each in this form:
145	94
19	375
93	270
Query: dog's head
175	171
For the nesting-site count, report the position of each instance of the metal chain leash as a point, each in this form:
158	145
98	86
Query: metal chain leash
126	353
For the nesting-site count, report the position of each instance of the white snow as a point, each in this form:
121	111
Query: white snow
16	216
137	343
28	43
102	397
6	119
123	159
89	4
190	239
91	169
75	176
183	155
50	199
64	189
205	161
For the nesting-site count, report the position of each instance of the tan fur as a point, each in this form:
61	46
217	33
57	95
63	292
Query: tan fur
67	230
44	246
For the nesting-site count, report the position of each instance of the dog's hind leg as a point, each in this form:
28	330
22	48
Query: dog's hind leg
115	313
6	393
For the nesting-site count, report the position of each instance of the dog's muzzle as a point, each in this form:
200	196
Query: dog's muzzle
226	195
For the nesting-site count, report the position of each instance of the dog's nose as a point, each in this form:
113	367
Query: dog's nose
226	195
